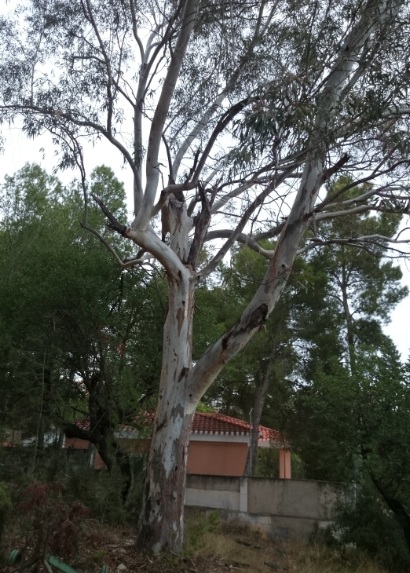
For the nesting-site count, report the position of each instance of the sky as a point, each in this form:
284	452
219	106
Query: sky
399	327
20	150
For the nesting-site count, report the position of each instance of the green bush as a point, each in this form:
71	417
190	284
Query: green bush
102	492
373	529
198	523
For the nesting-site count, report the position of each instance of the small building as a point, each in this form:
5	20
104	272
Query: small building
218	446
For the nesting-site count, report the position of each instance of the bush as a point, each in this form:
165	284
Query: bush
51	521
101	491
373	529
198	523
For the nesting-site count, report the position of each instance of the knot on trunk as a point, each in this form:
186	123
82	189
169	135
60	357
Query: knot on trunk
258	317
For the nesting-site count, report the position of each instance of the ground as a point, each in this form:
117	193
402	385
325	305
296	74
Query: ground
208	551
237	549
212	546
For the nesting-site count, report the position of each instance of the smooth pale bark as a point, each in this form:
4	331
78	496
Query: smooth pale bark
161	521
143	216
182	386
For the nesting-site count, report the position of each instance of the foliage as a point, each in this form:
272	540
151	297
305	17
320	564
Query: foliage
350	376
101	492
365	415
200	524
53	525
65	357
370	528
235	389
267	465
353	396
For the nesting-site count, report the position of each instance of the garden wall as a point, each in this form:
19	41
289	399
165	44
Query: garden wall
285	508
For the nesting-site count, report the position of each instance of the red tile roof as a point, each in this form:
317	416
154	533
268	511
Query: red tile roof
212	423
215	423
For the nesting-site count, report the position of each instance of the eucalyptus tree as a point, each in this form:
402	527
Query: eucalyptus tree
231	118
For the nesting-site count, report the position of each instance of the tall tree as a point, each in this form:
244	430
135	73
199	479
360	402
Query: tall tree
343	310
73	326
364	414
353	402
302	91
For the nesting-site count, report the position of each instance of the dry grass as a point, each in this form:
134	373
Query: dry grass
320	559
213	546
247	549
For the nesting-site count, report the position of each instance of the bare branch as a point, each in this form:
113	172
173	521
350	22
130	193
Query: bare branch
244	220
188	21
357	242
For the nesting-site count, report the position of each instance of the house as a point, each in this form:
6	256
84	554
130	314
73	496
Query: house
9	438
218	446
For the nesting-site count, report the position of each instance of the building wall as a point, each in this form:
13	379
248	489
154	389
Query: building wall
217	458
214	458
78	444
287	508
285	464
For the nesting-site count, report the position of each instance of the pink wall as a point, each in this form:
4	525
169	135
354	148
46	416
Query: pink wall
204	458
285	466
76	444
217	458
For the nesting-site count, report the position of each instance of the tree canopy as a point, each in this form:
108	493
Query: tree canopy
73	327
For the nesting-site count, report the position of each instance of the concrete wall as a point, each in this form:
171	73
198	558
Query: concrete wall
286	508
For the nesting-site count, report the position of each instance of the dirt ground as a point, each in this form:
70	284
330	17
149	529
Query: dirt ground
212	546
105	548
215	552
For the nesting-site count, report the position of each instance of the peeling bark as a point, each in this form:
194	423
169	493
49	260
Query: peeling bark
161	520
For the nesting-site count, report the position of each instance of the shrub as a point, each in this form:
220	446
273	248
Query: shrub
197	525
53	524
373	529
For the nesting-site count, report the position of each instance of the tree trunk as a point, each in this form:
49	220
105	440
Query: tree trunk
101	435
350	338
255	421
161	519
398	509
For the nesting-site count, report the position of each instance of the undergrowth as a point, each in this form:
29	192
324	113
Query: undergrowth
250	549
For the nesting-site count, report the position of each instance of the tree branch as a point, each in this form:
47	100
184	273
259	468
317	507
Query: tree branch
157	126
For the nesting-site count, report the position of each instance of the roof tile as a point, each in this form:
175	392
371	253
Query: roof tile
220	424
211	423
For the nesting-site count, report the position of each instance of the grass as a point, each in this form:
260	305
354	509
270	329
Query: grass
249	549
212	546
